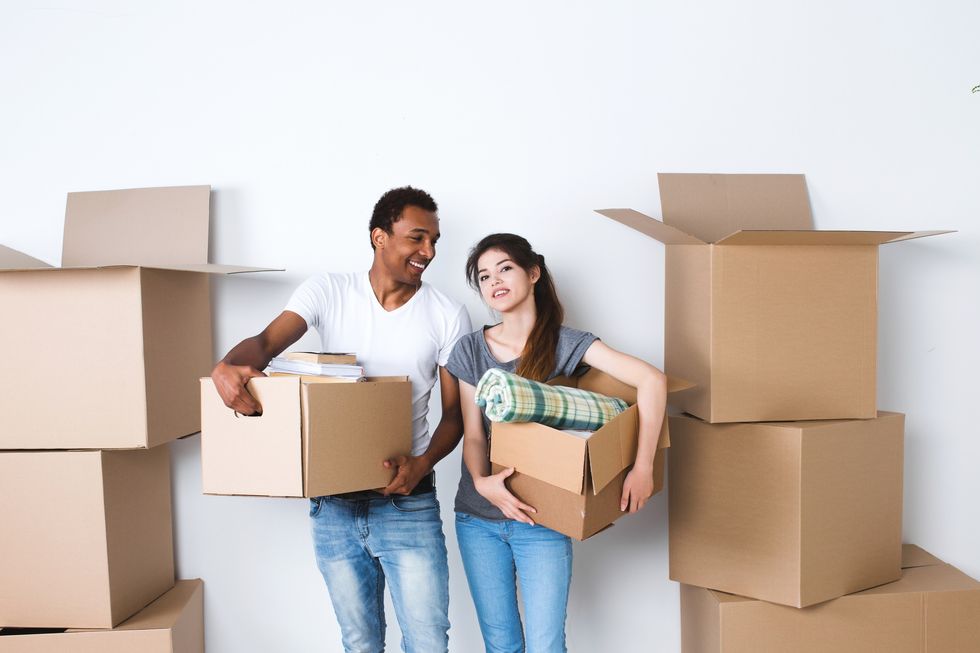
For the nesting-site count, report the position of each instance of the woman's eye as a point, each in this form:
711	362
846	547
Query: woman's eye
506	268
483	277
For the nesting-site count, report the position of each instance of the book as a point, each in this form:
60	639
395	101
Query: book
330	358
308	368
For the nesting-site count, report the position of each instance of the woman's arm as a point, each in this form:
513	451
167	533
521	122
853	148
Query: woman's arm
490	486
651	399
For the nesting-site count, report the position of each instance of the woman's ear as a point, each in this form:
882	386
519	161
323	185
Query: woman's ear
535	273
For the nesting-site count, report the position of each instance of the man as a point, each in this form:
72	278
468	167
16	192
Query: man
397	325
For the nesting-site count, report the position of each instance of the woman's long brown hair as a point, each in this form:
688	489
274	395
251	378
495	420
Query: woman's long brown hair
537	360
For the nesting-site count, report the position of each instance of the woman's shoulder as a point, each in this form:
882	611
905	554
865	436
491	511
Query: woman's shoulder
571	334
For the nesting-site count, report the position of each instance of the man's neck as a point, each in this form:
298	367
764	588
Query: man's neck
390	293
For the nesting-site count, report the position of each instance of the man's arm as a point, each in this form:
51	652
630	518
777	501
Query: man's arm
411	469
249	357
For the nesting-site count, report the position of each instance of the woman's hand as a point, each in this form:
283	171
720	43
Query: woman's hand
637	488
492	489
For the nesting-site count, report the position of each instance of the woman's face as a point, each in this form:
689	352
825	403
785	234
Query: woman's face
504	285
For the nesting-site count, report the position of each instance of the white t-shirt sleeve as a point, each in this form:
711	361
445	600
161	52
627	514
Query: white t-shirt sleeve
309	301
458	328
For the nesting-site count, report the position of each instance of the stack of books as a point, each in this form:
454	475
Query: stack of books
341	367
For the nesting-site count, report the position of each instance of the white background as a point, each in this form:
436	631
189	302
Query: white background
522	117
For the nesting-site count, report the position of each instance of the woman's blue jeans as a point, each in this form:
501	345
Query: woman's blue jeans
360	543
499	556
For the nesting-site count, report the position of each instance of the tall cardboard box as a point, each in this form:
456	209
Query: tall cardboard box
934	608
174	623
789	512
314	437
575	483
87	539
770	319
124	326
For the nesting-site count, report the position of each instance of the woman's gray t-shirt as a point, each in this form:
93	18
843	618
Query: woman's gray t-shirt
468	361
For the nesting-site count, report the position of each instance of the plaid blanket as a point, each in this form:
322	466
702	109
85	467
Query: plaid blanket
506	397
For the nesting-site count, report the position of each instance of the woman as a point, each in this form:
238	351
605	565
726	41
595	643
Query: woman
499	542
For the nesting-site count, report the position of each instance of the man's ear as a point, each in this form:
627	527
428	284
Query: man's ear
379	237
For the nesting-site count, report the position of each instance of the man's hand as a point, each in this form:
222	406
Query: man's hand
637	488
492	488
230	382
411	469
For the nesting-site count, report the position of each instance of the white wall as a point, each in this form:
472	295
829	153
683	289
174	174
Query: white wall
524	117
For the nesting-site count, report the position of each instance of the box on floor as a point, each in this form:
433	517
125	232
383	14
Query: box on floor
314	437
789	512
575	483
87	537
771	319
133	302
933	608
174	623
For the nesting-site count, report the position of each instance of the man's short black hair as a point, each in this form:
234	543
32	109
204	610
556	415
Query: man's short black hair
389	208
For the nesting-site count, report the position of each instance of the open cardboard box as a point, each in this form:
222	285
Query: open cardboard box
789	512
174	623
86	538
770	319
314	437
933	608
575	483
105	351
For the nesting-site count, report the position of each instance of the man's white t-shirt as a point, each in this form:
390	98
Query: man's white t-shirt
414	339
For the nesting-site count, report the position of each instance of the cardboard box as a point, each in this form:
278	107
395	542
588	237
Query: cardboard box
313	438
575	483
87	539
792	512
770	319
934	608
174	623
124	327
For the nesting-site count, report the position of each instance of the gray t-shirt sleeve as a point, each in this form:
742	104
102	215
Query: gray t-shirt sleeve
463	363
572	345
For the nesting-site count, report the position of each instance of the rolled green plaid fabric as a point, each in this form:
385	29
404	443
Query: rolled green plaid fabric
507	397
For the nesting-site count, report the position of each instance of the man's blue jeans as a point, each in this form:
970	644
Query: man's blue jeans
360	543
499	555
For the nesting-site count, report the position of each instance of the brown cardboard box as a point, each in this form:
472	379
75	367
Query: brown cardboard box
131	307
313	438
934	608
174	623
575	483
790	512
770	319
86	540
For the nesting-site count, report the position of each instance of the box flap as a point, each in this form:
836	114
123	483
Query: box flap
712	206
214	268
914	556
11	259
139	226
259	455
922	234
613	448
810	237
540	451
650	226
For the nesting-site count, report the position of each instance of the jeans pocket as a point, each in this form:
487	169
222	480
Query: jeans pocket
315	504
416	503
463	517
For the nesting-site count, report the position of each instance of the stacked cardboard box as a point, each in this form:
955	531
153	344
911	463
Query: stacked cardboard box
101	375
785	481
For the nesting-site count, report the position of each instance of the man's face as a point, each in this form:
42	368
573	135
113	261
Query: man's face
410	247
